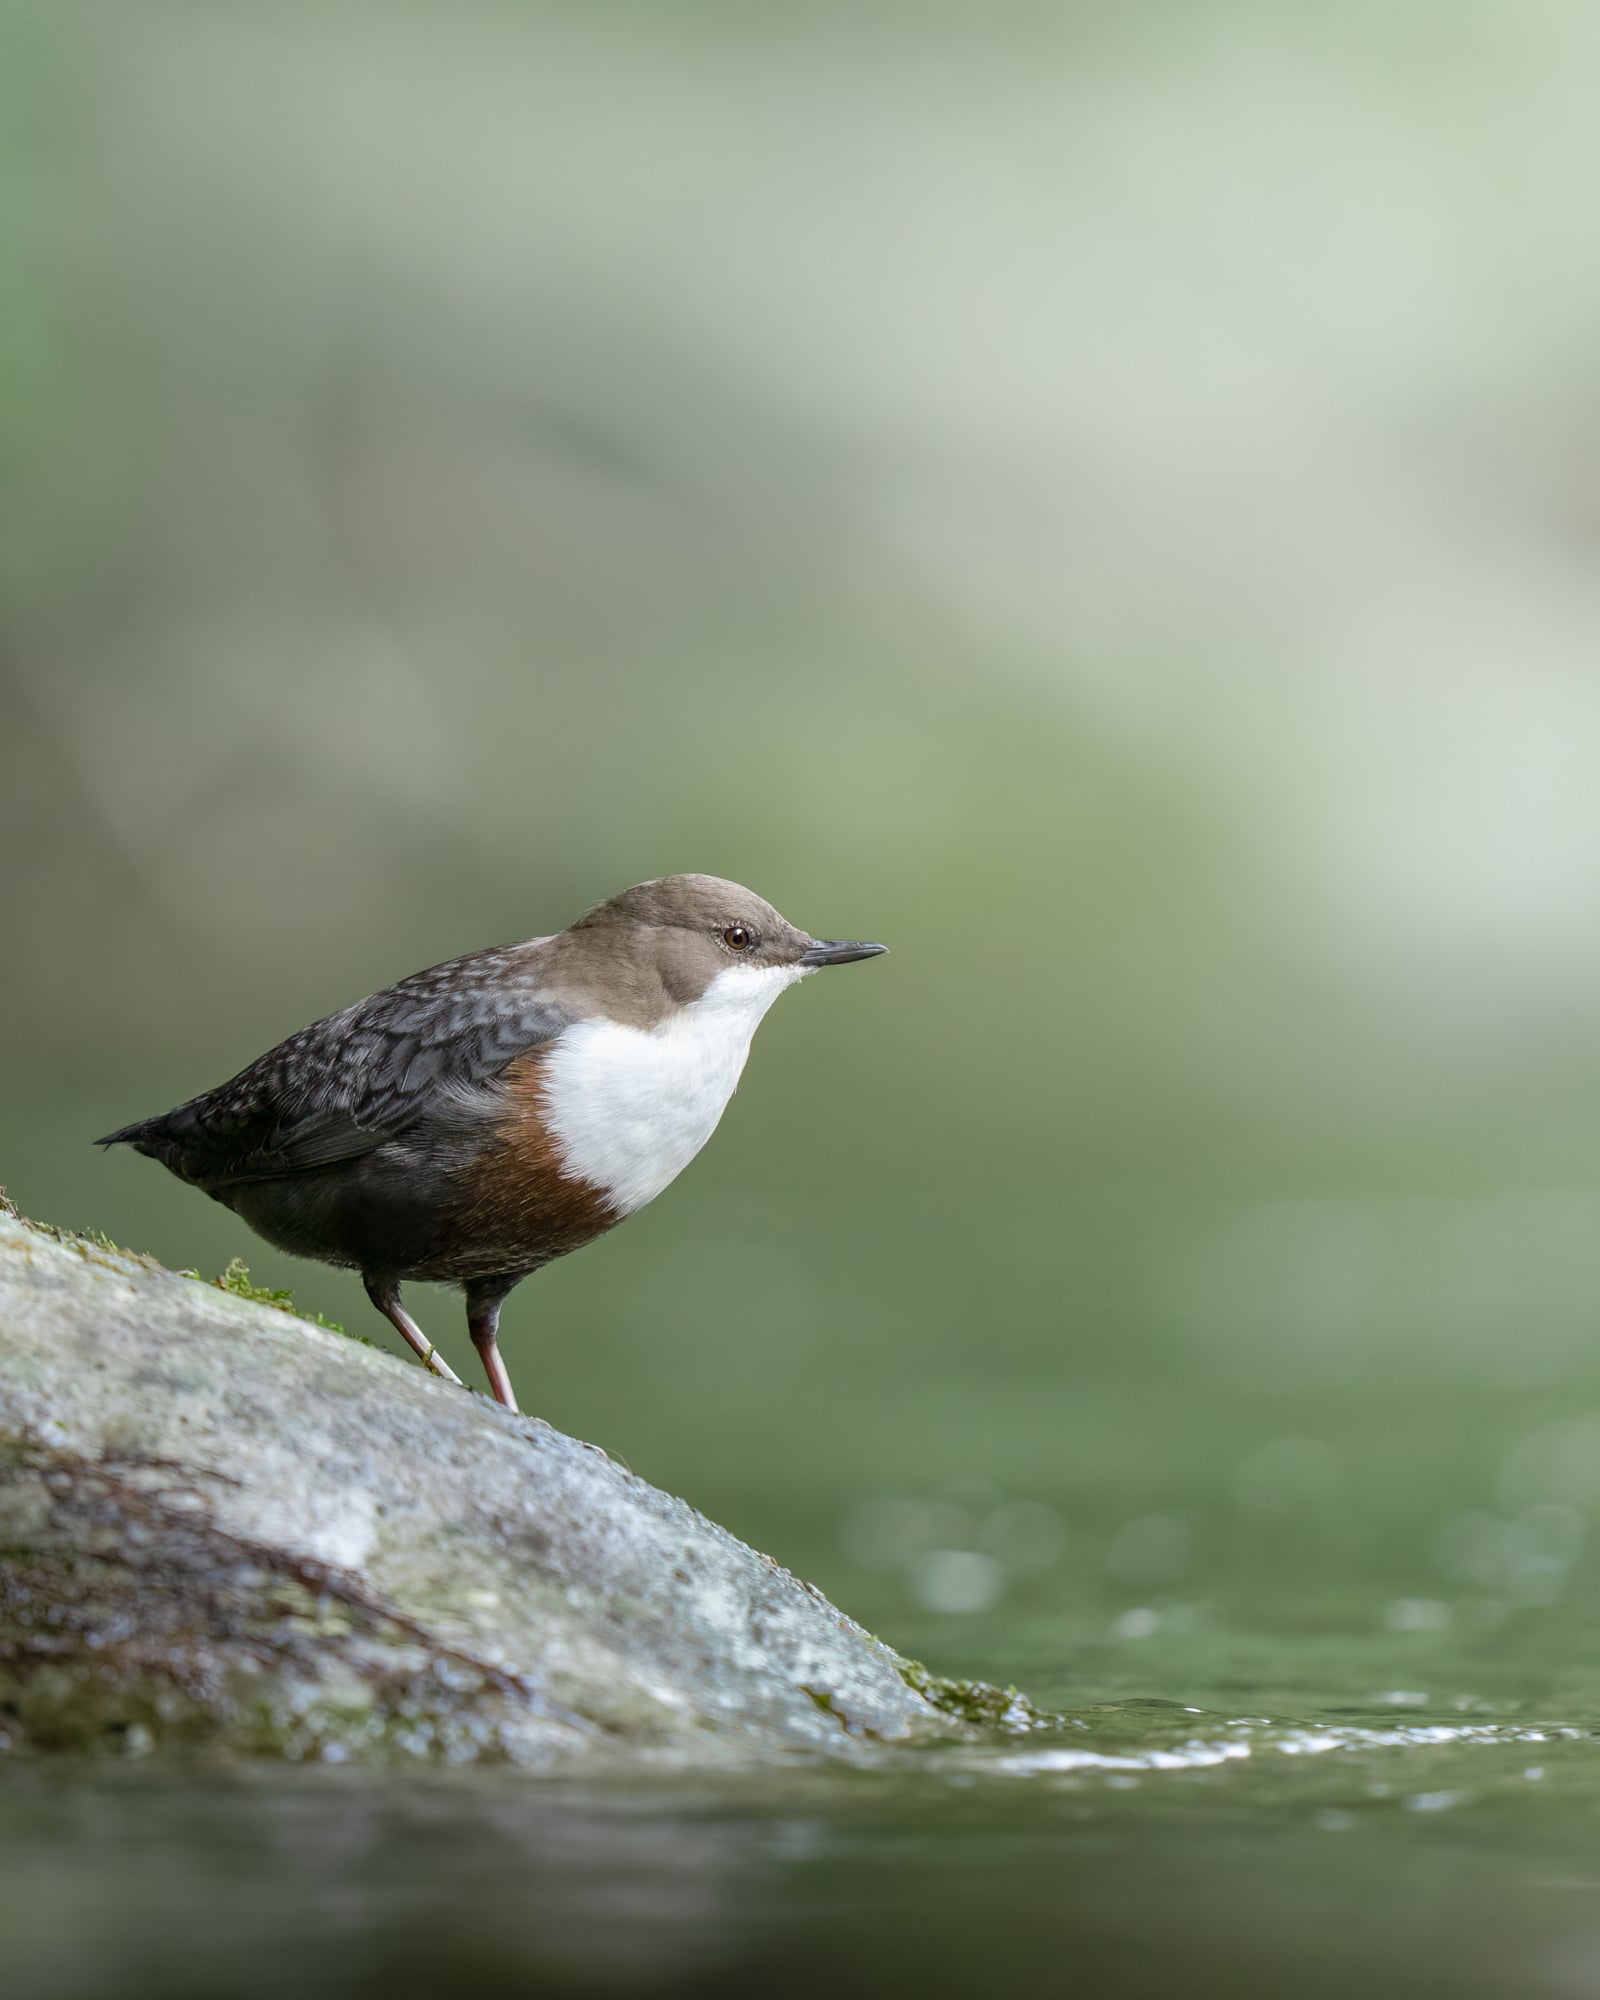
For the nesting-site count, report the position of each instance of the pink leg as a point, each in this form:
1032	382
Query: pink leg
385	1295
486	1340
484	1301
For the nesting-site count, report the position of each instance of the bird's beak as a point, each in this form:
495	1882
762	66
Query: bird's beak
838	951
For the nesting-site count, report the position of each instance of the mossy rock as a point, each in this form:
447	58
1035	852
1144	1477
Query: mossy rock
226	1530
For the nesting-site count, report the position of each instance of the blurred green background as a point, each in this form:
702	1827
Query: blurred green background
1101	498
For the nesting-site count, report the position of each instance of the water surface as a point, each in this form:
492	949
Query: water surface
1298	1823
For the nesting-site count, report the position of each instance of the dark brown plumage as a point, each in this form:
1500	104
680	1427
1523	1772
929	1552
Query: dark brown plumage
478	1119
520	1193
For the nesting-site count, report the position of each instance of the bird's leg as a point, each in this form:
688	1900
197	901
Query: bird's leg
484	1300
385	1295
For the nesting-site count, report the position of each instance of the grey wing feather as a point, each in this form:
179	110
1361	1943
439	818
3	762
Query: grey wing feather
362	1077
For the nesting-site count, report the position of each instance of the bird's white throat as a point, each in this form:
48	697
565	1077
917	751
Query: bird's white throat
630	1107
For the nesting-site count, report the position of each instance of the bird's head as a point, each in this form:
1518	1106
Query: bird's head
707	939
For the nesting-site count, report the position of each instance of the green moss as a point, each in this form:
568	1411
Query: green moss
236	1279
87	1242
977	1704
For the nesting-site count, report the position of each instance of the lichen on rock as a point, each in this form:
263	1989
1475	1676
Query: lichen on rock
976	1705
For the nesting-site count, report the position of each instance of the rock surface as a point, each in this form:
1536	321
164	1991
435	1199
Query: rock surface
224	1527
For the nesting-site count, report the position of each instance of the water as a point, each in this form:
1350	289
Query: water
1307	1820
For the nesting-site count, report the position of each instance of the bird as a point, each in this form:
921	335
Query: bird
479	1119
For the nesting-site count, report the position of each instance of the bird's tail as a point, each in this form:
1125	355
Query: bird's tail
137	1135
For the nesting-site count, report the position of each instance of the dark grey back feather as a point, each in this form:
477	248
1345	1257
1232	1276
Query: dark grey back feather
426	1049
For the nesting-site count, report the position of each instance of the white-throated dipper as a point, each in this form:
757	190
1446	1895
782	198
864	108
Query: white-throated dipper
484	1117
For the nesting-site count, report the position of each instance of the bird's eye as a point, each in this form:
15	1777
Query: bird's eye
737	938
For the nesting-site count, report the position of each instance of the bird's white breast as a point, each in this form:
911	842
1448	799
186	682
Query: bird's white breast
630	1107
